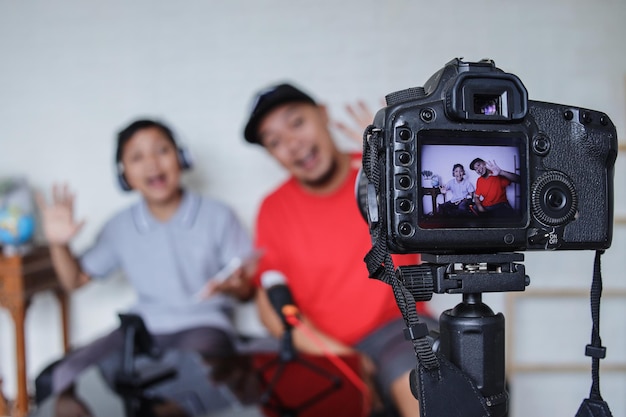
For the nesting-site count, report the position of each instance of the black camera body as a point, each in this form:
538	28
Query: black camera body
553	163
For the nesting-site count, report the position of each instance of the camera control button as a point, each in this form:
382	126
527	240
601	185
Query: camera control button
427	115
405	182
586	117
404	158
405	229
404	134
405	205
604	120
568	114
541	145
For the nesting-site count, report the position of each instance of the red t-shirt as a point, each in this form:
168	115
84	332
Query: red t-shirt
493	189
318	243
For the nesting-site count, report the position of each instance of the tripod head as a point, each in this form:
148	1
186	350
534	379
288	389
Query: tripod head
471	336
464	274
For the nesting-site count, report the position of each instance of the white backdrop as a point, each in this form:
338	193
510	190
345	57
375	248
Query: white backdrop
73	72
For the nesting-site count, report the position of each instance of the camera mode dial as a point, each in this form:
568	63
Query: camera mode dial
402	96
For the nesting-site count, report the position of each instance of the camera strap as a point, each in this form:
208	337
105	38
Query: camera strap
379	262
595	406
380	266
440	387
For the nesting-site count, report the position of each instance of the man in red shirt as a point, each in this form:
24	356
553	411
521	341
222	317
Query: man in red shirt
311	232
490	197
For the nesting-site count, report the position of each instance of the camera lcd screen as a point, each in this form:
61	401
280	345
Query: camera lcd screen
471	180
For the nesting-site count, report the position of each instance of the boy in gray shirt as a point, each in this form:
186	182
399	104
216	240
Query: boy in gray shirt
170	245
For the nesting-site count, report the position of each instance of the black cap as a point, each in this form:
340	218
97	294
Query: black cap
474	162
269	99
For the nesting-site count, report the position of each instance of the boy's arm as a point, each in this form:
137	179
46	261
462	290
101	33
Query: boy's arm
238	285
67	268
235	279
60	227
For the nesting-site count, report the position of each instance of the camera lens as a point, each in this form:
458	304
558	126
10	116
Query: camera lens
553	199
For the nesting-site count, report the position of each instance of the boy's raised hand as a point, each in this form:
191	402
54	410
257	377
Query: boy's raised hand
59	225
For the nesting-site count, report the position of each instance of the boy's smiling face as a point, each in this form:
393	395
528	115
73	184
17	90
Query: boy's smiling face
151	166
458	174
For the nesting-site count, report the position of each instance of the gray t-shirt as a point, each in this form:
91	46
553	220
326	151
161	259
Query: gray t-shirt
167	263
460	190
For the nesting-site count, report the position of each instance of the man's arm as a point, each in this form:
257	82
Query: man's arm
509	176
497	171
302	342
272	321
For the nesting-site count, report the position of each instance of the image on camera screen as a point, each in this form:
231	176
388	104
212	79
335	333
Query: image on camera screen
471	180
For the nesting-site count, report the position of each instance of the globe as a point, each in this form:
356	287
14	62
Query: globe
16	228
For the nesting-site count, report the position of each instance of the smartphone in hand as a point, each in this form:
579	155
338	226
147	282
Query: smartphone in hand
223	274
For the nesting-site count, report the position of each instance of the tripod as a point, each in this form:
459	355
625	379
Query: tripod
472	336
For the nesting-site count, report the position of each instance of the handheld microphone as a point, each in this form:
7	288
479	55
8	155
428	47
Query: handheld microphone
275	285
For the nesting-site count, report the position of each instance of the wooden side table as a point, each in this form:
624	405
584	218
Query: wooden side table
20	278
433	192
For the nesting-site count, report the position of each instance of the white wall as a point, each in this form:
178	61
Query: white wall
73	72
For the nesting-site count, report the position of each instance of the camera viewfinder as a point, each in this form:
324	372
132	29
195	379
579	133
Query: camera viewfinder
489	104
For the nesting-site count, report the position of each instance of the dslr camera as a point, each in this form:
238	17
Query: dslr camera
547	168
